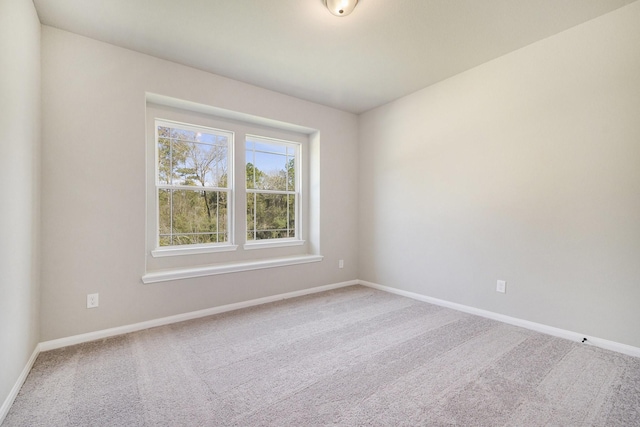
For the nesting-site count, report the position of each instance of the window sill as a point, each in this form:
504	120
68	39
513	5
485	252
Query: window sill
210	270
191	250
265	244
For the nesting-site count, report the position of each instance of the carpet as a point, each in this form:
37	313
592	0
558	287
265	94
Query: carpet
354	356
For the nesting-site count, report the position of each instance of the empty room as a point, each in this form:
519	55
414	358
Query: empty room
320	212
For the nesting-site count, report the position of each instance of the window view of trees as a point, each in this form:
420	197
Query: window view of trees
271	189
193	185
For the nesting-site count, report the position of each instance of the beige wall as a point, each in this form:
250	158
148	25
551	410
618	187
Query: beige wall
526	169
19	174
93	194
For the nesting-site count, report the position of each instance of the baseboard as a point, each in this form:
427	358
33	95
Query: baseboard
538	327
92	336
6	405
106	333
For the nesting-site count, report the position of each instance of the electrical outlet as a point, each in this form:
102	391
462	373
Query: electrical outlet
501	286
92	300
341	263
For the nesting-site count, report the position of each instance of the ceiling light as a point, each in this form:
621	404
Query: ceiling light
340	7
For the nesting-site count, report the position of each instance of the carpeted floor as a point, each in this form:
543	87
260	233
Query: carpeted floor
350	357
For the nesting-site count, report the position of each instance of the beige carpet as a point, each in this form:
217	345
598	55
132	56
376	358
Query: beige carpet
350	357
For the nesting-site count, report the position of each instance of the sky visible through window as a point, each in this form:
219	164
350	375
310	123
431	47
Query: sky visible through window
269	158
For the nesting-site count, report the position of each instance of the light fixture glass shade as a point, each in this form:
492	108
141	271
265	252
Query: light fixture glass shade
341	7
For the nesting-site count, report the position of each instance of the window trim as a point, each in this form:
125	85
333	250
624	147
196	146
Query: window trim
233	267
273	243
193	249
161	267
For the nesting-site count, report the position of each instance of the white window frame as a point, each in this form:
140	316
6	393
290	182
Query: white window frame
188	262
297	193
164	251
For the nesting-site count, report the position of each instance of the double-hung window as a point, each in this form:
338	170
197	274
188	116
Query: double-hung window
227	191
272	189
193	185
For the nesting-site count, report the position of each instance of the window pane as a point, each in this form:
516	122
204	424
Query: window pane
183	134
191	217
291	173
200	164
270	216
215	165
164	159
191	157
252	174
270	166
274	171
164	217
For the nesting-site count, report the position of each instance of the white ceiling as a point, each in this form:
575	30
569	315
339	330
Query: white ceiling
382	51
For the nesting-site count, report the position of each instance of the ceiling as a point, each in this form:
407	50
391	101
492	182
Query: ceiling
382	51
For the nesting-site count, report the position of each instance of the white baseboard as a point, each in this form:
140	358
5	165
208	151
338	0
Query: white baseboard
538	327
4	409
106	333
92	336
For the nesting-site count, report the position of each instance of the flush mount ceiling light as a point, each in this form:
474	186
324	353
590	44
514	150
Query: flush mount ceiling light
340	7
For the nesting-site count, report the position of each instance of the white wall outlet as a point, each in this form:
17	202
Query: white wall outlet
501	286
341	263
92	300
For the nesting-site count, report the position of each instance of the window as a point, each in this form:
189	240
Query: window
194	184
272	189
227	191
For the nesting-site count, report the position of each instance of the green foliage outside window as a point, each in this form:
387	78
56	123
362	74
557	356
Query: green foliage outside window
193	178
271	190
194	193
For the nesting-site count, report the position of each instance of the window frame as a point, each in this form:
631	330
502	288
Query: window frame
298	193
197	248
183	263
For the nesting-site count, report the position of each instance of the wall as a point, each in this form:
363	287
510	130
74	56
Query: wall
93	193
19	173
525	169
